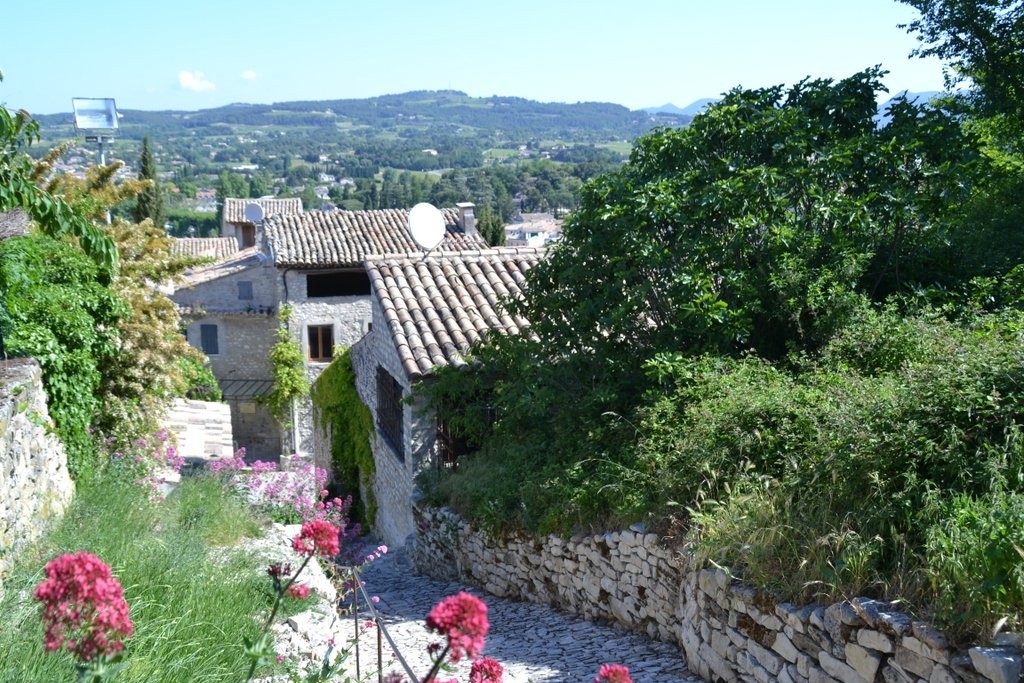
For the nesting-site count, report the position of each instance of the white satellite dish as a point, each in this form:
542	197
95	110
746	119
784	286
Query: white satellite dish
253	212
426	225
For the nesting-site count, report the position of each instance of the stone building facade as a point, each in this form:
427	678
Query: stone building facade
427	311
242	228
230	309
322	278
313	263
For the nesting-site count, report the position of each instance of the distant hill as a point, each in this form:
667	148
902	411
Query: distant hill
924	97
689	111
444	111
697	106
667	108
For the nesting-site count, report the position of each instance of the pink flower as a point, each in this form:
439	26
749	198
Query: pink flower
613	673
317	537
83	607
463	619
298	590
486	670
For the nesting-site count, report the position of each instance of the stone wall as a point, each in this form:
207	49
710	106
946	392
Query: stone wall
244	342
729	631
349	317
35	485
202	429
394	482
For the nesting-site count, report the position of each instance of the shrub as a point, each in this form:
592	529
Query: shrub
974	551
56	310
199	382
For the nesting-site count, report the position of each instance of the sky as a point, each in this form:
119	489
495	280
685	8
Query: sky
196	54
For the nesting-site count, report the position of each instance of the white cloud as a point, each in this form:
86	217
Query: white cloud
195	81
249	75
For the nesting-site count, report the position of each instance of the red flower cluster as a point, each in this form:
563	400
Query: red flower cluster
486	670
84	609
613	673
463	619
299	591
317	537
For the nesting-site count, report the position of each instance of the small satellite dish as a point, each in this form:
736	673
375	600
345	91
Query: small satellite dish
253	212
426	225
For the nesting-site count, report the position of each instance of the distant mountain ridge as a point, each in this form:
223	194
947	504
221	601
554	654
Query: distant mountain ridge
690	110
445	110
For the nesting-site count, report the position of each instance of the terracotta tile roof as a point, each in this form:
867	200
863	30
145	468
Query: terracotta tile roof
234	209
317	239
233	263
211	247
436	307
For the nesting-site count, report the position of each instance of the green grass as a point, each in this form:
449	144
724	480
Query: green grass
500	153
191	601
623	147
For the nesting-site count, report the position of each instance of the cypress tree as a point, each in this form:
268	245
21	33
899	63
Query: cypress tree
149	203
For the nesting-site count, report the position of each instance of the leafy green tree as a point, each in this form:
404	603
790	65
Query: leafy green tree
148	363
18	188
260	185
150	202
984	43
54	308
759	229
230	184
491	227
754	228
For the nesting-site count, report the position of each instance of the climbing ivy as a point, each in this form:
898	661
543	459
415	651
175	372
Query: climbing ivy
289	371
351	427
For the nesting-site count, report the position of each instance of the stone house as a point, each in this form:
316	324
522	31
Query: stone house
230	311
426	312
318	258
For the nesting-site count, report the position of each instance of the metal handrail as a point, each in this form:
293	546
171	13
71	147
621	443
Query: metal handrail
381	630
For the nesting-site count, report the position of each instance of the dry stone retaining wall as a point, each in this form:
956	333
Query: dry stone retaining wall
35	485
728	630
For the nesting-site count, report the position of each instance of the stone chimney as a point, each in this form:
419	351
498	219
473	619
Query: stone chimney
467	221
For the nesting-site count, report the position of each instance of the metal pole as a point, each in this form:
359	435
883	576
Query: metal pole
103	162
355	616
380	657
379	621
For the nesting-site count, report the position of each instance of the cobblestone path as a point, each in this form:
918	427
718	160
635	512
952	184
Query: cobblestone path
533	642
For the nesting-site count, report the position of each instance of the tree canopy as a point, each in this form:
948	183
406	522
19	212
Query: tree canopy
983	40
756	227
149	203
760	230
